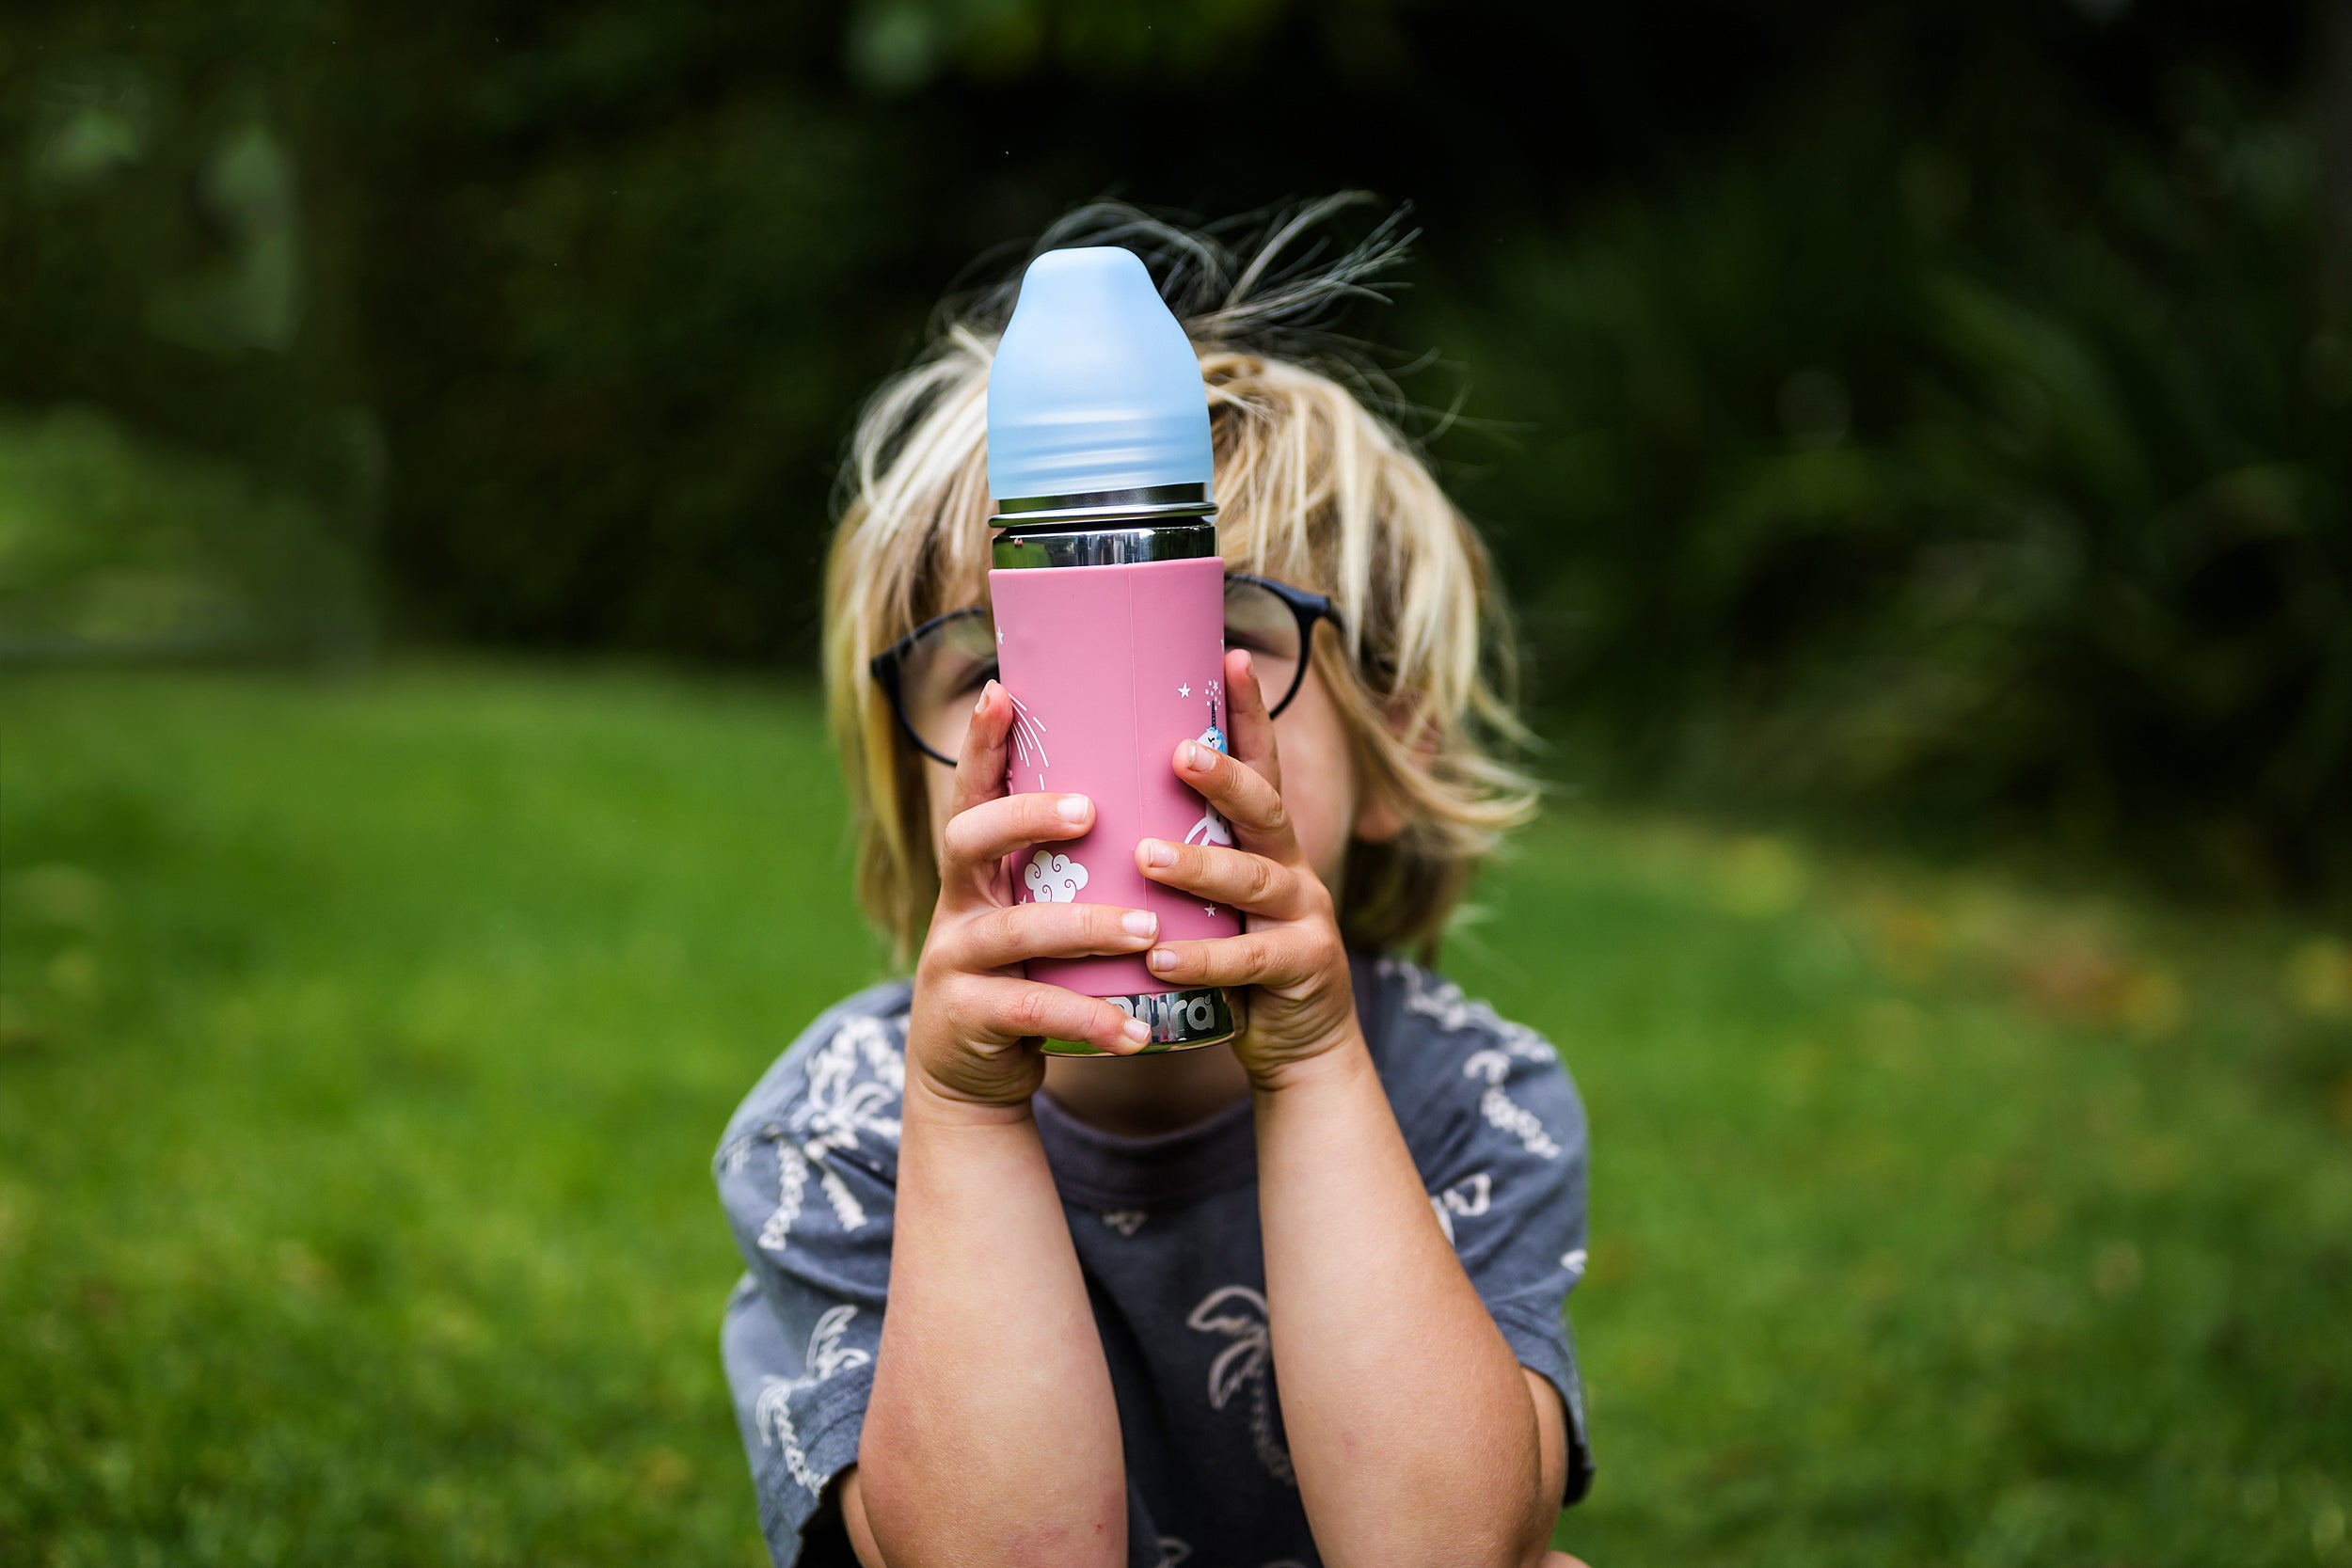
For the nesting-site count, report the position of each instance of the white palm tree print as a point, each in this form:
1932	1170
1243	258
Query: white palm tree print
1502	1111
1468	1198
771	1413
1442	1002
1243	1364
855	1081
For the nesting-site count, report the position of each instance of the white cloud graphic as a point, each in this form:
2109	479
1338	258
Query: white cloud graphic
1053	879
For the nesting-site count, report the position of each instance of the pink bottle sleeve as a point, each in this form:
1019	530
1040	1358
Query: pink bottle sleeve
1108	668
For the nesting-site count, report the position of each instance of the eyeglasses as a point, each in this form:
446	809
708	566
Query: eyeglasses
934	673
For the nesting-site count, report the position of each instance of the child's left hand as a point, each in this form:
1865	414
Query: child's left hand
1291	952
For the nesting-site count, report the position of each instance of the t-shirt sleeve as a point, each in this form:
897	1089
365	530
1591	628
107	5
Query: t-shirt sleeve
1498	1131
807	1174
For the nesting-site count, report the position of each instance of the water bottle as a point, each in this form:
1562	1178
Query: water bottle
1110	598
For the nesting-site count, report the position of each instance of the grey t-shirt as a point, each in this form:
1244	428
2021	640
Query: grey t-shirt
1166	1234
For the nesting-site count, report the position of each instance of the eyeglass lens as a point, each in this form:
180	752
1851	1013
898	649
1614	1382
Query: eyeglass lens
943	672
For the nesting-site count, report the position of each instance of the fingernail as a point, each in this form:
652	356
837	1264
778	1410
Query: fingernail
986	692
1198	757
1141	922
1161	960
1157	853
1071	808
1136	1030
1248	666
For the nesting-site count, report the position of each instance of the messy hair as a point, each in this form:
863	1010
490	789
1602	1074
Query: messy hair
1313	486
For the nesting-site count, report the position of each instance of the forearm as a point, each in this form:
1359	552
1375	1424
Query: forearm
1411	1426
991	1436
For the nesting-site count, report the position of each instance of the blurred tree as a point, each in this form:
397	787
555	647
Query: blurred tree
1866	484
162	261
1933	410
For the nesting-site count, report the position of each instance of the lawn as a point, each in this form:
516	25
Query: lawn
363	1044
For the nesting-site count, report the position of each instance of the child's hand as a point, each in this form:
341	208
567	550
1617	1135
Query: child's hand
1292	951
972	1010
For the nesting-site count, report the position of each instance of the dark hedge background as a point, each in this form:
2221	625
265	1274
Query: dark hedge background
1937	416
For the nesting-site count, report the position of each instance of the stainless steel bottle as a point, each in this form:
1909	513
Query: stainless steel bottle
1111	609
1109	598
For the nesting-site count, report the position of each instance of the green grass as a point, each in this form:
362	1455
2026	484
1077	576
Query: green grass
362	1047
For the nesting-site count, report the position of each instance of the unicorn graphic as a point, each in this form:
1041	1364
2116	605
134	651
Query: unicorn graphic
1210	828
1028	740
1243	1364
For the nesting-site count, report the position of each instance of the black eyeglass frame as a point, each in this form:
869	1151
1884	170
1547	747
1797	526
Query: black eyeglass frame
887	667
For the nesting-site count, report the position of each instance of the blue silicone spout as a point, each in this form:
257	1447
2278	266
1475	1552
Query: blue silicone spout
1095	386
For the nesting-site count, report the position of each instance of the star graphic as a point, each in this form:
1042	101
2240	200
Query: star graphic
1000	636
1208	909
1213	685
1185	689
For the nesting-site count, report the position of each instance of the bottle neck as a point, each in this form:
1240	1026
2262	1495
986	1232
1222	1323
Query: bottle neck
1149	502
1121	527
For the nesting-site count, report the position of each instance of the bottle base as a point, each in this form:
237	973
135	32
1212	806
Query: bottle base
1180	1021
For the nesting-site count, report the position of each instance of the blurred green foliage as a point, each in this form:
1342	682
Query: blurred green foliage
111	546
1931	414
363	1046
1856	474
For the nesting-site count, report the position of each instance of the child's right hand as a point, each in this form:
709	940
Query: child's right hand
973	1013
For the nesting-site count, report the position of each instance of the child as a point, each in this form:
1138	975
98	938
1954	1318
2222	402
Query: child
1289	1300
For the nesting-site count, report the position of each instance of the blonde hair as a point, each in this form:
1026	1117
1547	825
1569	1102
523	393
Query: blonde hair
1312	488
